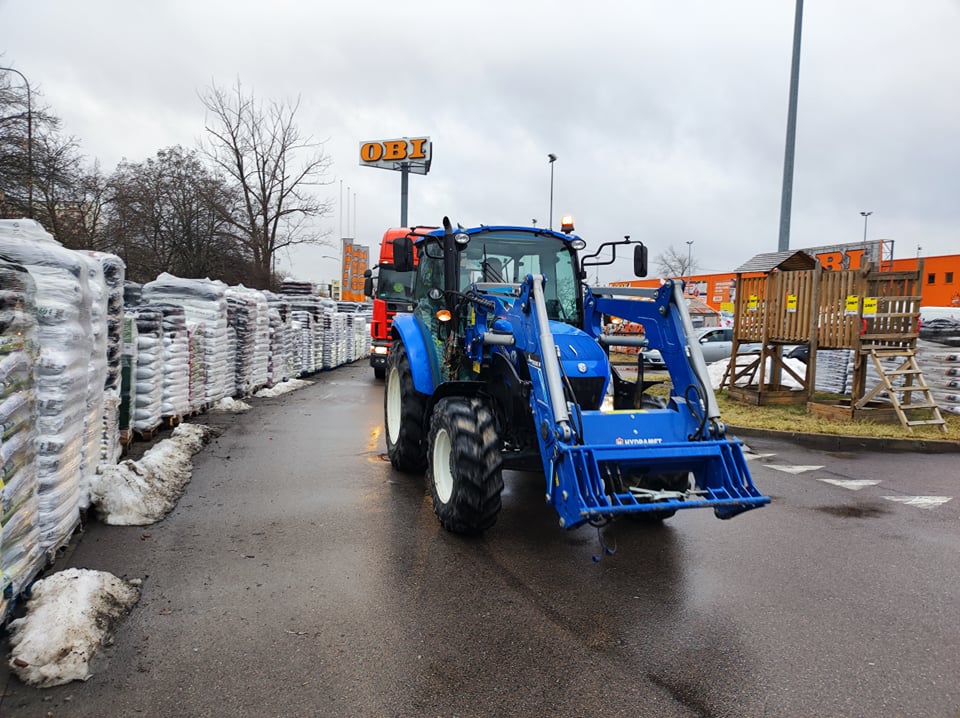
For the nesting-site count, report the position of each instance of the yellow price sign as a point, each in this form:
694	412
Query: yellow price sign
853	304
753	302
870	306
791	304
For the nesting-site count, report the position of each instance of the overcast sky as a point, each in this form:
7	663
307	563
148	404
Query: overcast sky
668	117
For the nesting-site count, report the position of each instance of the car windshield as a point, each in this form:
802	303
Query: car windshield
509	256
392	284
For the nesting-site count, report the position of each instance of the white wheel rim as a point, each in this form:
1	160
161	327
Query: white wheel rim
393	406
442	475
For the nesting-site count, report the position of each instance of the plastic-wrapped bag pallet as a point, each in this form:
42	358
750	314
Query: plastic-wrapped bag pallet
281	362
196	332
303	322
63	305
176	361
303	298
940	364
20	554
97	371
113	272
148	377
248	315
128	372
205	304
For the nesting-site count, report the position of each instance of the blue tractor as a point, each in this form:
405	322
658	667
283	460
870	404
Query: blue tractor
504	364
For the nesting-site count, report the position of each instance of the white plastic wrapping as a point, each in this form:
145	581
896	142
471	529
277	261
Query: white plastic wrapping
148	377
64	338
204	303
20	554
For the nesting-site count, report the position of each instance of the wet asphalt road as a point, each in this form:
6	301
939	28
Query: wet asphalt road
300	576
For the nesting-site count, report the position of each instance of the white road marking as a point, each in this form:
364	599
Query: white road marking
852	484
921	502
751	457
787	469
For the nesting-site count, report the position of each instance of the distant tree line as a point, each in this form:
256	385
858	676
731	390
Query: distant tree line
222	210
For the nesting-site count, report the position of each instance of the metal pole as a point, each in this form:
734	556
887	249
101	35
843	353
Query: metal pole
786	197
689	267
553	158
865	215
404	191
29	141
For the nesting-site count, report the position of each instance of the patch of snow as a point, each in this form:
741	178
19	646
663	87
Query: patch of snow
229	405
283	388
69	615
717	369
135	493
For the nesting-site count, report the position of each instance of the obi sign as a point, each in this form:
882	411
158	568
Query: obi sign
411	154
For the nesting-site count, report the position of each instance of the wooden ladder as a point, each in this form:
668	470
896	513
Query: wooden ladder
913	382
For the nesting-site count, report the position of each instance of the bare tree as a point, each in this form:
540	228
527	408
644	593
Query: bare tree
673	263
167	214
260	149
21	115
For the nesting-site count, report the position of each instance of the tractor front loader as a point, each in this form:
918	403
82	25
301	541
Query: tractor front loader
504	363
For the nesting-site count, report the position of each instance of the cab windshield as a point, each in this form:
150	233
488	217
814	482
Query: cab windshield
392	284
507	257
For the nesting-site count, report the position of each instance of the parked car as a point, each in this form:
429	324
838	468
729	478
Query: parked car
800	352
652	359
716	343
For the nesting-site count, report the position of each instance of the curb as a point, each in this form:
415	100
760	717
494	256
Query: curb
836	442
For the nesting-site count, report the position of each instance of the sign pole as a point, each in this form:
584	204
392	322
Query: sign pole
404	191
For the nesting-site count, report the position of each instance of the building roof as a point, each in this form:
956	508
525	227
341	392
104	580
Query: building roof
789	260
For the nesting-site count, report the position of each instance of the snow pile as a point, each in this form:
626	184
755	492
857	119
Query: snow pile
229	405
287	386
135	493
69	615
717	369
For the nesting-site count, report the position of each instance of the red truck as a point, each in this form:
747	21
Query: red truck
392	292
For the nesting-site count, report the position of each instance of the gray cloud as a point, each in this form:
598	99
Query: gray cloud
668	118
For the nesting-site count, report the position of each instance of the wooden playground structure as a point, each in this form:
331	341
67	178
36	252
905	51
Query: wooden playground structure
873	314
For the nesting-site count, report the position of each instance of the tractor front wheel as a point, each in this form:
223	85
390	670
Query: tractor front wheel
465	471
403	411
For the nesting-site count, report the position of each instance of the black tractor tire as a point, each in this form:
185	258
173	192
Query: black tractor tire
403	414
379	372
465	466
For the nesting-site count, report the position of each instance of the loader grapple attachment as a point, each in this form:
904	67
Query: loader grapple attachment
614	480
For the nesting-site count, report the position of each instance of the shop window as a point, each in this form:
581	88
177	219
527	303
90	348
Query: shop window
948	278
931	278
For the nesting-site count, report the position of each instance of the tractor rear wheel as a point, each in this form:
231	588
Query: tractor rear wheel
403	411
465	470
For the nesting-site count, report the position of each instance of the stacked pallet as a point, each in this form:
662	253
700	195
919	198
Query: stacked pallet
205	304
148	376
20	555
176	370
63	307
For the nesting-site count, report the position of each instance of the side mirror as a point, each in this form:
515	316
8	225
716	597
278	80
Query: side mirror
403	254
367	284
640	260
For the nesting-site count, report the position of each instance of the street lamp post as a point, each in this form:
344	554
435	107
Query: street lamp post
865	215
689	247
553	158
29	141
